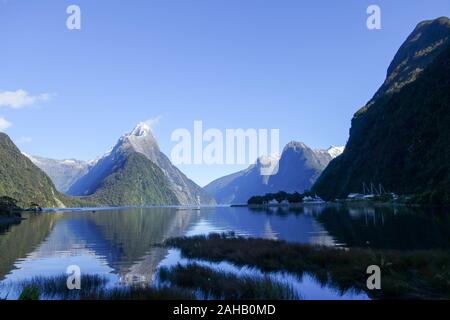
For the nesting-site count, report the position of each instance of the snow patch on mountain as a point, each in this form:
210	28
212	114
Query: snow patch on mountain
62	172
141	130
141	140
295	171
335	151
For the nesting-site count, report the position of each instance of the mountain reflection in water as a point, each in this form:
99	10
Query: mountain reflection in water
121	243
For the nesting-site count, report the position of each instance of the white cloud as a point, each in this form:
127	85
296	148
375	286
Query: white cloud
4	124
21	99
153	122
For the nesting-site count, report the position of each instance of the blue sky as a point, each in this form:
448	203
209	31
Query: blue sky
304	67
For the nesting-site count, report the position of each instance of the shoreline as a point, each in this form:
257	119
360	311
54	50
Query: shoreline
8	220
199	207
180	207
341	203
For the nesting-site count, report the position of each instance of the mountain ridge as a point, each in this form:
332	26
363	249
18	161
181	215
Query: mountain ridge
298	167
141	140
400	139
23	181
62	172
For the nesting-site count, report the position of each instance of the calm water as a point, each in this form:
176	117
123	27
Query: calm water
119	243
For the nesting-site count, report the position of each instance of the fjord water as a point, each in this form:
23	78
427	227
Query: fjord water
120	244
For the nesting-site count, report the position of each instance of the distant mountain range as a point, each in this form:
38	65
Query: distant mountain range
63	173
298	168
401	138
22	180
135	171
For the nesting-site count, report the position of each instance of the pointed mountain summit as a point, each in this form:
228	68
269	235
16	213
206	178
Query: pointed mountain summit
400	139
136	167
297	169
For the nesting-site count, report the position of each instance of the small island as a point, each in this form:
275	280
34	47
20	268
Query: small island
284	199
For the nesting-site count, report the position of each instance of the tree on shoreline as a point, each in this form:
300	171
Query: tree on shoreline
9	206
279	197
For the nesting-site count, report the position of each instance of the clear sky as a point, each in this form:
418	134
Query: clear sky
303	67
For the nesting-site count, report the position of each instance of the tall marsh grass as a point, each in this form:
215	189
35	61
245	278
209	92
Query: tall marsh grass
94	287
405	274
217	284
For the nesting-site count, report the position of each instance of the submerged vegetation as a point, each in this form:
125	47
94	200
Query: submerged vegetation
181	282
405	275
217	284
94	287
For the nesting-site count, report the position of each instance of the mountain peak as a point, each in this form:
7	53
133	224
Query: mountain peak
295	145
401	142
441	20
141	140
422	46
295	170
427	41
142	129
110	175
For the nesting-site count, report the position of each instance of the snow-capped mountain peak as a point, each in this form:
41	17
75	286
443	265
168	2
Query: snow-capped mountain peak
141	130
141	140
295	145
334	151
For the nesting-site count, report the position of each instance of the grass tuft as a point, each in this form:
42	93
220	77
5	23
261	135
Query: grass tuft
410	274
94	287
225	285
